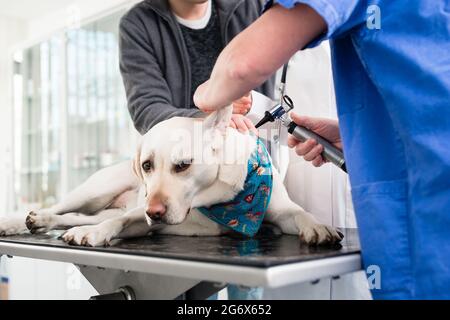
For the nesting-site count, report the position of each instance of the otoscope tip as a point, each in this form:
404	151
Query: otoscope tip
259	124
267	117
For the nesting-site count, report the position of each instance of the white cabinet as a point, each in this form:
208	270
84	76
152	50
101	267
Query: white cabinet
70	112
37	127
70	118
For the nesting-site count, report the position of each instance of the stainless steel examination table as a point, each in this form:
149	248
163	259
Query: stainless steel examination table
169	267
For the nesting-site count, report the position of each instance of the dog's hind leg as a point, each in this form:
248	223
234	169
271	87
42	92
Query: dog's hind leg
98	191
293	219
45	222
132	224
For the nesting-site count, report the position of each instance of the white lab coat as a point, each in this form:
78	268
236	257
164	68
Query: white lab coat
324	191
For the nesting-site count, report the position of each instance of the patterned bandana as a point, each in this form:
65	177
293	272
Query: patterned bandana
245	212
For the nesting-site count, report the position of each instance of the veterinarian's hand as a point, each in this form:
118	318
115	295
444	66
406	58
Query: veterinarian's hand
310	150
243	105
199	98
242	123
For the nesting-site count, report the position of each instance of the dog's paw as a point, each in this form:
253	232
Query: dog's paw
40	222
89	236
9	227
320	234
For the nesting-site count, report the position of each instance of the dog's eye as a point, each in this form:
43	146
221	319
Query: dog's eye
182	166
147	166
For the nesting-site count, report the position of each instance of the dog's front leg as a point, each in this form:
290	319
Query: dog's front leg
293	219
196	224
296	221
132	224
46	222
12	226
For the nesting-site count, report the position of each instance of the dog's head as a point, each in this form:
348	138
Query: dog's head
180	159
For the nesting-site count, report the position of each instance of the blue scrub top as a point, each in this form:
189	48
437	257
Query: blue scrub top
393	95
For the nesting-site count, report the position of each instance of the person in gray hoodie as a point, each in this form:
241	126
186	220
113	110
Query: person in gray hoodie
169	47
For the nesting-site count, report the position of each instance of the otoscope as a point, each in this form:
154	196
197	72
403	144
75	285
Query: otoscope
280	113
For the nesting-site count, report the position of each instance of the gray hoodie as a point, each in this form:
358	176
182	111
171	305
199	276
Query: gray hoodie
155	64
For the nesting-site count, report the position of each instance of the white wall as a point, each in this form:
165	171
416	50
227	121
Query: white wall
36	279
10	30
71	16
17	33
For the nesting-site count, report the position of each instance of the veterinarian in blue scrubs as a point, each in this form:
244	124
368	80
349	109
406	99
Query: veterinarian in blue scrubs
391	66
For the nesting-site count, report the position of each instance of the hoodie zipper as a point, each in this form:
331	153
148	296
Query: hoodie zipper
186	66
227	22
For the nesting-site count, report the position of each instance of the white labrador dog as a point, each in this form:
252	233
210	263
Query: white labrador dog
182	164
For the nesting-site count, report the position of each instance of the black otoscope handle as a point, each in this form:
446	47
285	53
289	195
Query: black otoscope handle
330	152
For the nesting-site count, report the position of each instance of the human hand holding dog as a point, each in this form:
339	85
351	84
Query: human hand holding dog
310	150
240	107
243	105
243	124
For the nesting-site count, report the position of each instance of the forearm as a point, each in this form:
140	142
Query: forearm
258	52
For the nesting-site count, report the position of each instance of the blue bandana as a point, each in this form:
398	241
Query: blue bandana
245	212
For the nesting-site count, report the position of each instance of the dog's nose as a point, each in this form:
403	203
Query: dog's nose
156	210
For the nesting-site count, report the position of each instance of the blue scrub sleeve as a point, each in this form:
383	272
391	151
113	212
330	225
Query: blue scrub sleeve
341	16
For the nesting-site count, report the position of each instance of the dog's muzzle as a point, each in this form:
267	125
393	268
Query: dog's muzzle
156	211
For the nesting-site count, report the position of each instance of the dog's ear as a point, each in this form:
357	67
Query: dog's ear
137	163
233	175
219	120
